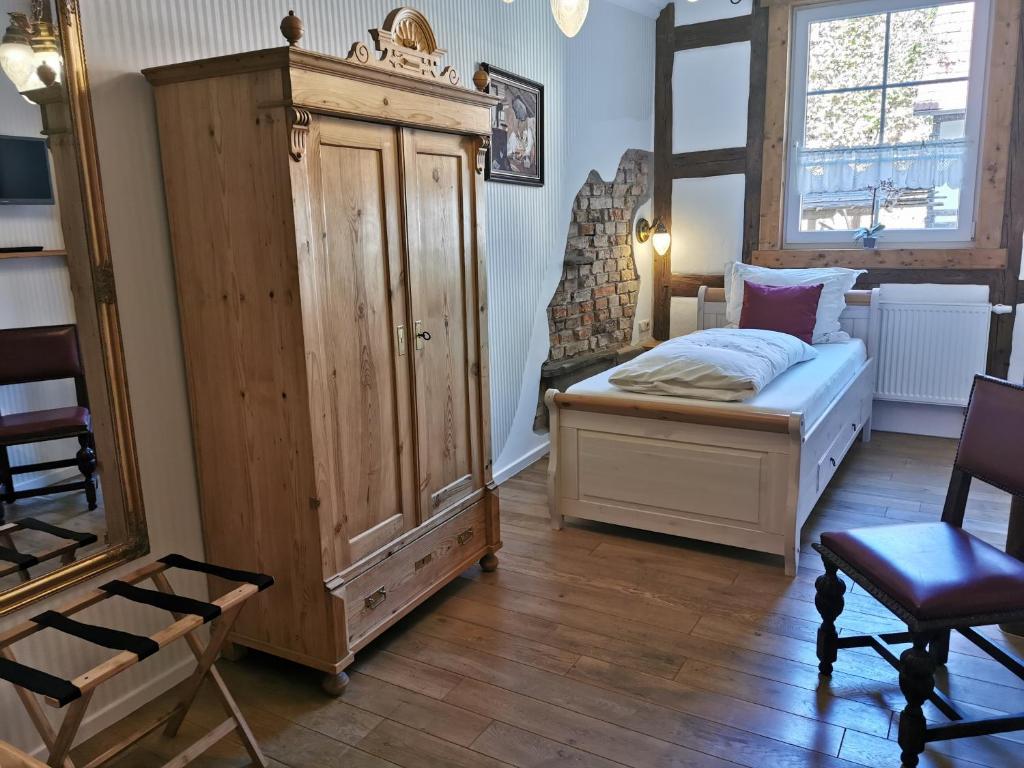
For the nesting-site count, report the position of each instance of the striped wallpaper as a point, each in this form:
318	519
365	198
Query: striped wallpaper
599	102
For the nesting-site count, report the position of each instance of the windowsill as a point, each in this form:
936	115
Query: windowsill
926	257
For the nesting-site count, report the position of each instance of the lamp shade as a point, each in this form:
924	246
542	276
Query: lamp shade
17	59
570	15
661	240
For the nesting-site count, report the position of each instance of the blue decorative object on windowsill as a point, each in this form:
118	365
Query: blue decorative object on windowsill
868	236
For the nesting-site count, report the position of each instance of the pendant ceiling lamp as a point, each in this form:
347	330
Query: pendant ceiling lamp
570	15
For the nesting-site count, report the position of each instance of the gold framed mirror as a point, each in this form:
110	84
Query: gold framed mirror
70	497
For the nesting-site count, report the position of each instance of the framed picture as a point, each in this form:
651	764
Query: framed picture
516	154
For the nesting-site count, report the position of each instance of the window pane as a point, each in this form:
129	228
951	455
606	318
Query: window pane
843	119
835	212
846	53
935	208
926	112
931	43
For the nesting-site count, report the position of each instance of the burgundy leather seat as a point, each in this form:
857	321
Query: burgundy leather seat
46	424
934	570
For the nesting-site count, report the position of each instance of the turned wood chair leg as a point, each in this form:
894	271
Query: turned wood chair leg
86	458
830	603
917	681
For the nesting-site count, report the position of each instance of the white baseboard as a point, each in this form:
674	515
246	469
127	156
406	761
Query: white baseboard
917	418
501	474
123	706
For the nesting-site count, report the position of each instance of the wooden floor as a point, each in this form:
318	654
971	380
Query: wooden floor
596	647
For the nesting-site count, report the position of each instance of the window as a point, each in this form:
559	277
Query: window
885	121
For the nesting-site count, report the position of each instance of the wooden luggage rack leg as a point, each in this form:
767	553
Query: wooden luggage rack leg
189	616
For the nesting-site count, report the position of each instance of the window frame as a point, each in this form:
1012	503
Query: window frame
977	88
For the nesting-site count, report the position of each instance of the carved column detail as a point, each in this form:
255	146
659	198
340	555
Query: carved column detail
298	131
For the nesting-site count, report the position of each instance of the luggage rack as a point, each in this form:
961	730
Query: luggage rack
14	561
189	615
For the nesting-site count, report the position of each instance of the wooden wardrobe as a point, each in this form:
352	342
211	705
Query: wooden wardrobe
327	222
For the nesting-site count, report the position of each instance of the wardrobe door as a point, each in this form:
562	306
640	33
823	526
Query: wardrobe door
438	184
359	366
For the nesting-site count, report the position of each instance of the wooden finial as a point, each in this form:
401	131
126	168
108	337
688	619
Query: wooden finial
481	80
291	28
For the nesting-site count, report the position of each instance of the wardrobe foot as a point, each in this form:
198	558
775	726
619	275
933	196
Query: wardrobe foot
334	684
234	652
489	563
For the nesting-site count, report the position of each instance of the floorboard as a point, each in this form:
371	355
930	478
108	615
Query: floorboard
597	647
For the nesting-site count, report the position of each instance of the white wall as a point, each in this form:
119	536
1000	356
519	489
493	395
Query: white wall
710	87
599	102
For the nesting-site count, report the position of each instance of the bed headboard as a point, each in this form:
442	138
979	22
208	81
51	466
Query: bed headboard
855	320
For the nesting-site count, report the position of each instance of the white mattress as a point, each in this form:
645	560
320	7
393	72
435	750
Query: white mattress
806	387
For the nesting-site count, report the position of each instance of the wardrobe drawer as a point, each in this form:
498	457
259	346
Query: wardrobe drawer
382	594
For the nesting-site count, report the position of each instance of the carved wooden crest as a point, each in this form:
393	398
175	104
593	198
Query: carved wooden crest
406	44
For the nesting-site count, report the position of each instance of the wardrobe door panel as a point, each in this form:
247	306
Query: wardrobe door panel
364	403
442	280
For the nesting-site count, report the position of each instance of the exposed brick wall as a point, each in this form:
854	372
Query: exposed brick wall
592	309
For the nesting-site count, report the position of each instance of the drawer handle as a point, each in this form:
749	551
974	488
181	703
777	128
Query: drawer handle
376	598
423	561
833	460
465	536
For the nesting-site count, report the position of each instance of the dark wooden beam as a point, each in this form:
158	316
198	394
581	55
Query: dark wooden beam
686	286
717	32
1001	346
664	58
990	277
755	129
709	162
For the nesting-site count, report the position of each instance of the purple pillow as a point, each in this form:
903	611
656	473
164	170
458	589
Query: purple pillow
790	309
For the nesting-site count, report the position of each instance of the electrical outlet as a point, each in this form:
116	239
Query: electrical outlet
645	325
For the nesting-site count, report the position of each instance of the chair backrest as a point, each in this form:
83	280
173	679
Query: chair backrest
42	353
990	444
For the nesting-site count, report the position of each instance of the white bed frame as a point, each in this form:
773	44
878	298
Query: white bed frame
727	475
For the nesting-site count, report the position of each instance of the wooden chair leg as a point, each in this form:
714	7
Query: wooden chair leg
6	476
917	681
205	658
830	603
939	648
86	458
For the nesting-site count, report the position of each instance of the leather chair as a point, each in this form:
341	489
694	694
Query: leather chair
45	353
936	577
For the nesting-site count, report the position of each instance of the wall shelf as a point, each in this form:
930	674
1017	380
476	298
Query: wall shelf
30	254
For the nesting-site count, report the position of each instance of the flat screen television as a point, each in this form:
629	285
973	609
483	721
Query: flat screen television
24	171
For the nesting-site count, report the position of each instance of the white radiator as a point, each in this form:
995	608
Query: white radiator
929	341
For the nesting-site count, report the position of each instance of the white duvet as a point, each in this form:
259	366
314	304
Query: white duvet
718	364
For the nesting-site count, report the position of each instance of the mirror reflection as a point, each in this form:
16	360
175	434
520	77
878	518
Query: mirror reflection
51	478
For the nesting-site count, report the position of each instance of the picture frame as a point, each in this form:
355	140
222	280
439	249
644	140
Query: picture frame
516	153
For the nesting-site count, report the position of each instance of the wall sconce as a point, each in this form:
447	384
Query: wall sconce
29	53
660	238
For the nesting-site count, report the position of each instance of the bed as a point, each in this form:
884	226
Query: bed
746	474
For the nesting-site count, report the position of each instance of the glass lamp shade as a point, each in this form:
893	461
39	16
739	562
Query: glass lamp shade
661	240
16	55
570	15
46	53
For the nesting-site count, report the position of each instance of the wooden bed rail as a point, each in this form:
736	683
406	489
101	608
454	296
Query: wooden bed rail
706	415
859	298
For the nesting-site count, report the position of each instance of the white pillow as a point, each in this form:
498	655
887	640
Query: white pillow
836	281
717	364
